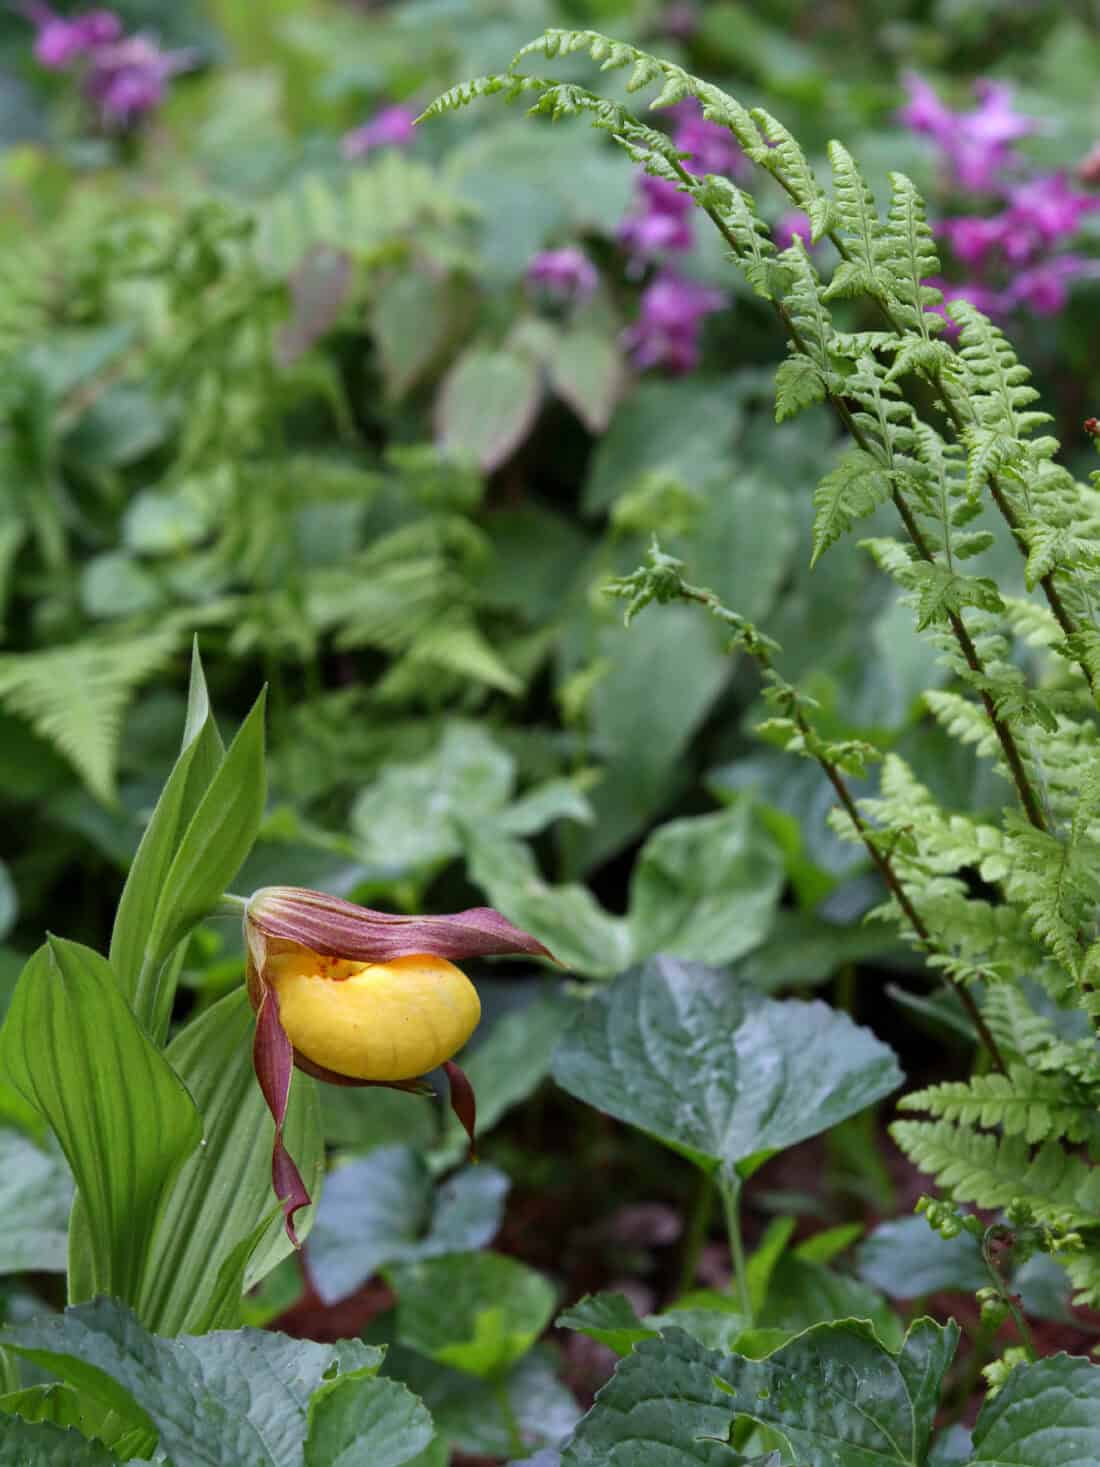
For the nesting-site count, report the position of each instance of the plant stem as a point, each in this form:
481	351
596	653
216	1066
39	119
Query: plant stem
516	1447
1010	1299
729	1185
230	905
695	1235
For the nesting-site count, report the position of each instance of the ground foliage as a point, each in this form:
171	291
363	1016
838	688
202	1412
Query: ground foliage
320	410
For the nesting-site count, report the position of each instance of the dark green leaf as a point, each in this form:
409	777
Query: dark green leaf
905	1259
478	1312
384	1209
358	1421
1045	1413
714	1070
608	1318
40	1444
706	888
487	405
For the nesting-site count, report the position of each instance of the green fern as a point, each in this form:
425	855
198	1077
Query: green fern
75	698
1024	1103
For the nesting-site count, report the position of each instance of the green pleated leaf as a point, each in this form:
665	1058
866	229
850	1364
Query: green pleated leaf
72	1047
128	1433
36	1193
356	1421
713	1069
477	1312
223	1192
608	1318
1045	1413
134	958
217	839
235	1398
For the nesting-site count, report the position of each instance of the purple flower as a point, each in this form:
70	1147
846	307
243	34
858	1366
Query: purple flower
127	80
565	275
666	333
1049	207
792	222
710	148
973	239
1044	288
59	41
976	144
664	222
991	301
390	128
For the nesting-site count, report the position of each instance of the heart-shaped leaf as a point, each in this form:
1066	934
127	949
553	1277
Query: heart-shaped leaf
36	1193
714	1070
1044	1413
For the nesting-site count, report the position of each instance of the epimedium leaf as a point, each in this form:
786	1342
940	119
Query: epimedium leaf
487	405
355	1421
235	1398
121	1114
714	1070
587	372
36	1194
496	1308
223	1192
383	1208
707	887
1045	1412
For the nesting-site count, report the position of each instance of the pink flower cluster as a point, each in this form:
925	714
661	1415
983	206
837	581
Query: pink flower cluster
125	77
562	277
1011	246
672	309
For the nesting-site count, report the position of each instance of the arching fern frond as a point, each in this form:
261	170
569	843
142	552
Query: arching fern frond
1023	1103
75	697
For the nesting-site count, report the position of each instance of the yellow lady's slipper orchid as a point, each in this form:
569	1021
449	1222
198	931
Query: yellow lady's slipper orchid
372	1021
357	997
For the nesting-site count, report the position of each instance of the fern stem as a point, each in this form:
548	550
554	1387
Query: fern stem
1012	1301
881	859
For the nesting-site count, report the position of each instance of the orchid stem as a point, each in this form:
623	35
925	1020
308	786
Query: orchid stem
230	905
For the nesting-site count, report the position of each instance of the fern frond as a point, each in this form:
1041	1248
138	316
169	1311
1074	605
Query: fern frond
786	161
854	489
860	228
995	1172
75	697
508	84
1015	1025
911	258
995	382
1038	1107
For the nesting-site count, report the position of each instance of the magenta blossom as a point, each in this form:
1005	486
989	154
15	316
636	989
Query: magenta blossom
61	41
1044	288
128	79
791	224
976	145
661	223
565	275
392	127
666	333
993	302
710	147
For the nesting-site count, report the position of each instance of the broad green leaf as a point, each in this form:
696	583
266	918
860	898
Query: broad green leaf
36	1193
706	888
223	1192
128	1434
566	917
124	1120
488	403
663	674
236	1398
905	1259
608	1318
470	1412
743	555
356	1421
217	839
663	1404
134	959
587	372
842	1399
478	1312
802	1293
407	820
715	1071
41	1444
414	320
384	1208
685	428
1045	1413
